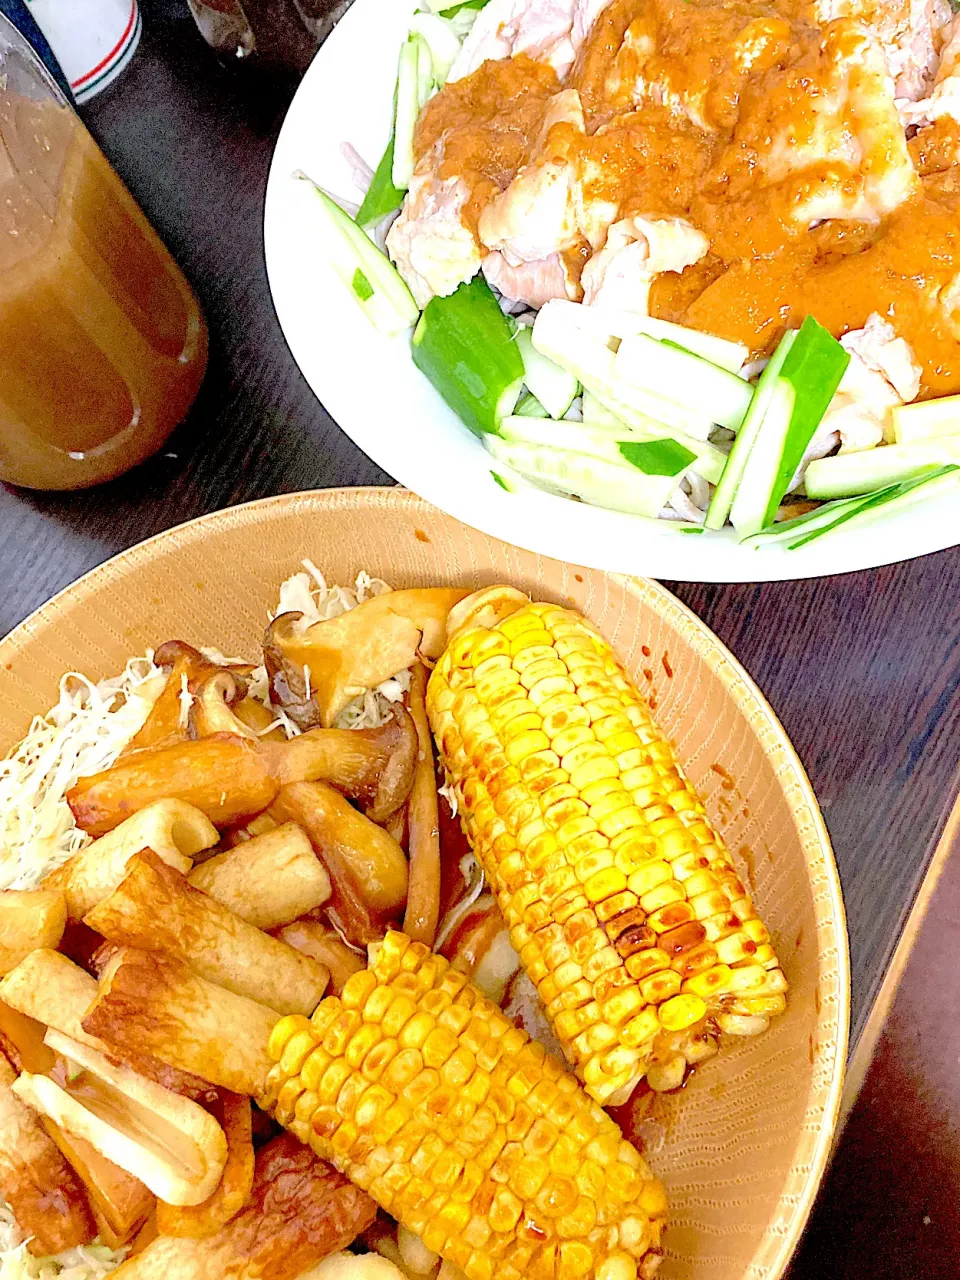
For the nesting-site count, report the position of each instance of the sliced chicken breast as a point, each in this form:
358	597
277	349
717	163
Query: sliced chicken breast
826	131
882	374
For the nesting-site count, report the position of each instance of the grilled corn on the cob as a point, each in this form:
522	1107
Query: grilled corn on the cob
622	901
461	1126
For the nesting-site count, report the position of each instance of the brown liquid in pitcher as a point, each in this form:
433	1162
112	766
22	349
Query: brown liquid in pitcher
102	342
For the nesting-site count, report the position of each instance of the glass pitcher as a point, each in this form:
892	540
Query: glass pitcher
102	342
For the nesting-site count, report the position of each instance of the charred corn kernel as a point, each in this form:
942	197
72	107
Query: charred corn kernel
766	1006
682	1011
526	1173
595	845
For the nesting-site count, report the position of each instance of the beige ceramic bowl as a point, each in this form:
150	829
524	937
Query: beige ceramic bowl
747	1140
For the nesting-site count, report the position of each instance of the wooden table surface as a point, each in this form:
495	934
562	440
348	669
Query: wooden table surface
863	669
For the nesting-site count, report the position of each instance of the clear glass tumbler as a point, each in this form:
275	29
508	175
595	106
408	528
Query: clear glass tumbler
102	342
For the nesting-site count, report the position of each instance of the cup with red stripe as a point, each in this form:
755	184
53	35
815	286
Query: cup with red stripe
94	40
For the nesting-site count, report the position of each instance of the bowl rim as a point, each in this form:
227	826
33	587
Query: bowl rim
823	1105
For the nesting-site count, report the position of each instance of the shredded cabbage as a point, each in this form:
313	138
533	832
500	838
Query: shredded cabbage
83	733
88	1262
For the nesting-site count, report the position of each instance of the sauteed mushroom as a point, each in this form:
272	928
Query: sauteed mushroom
367	867
166	723
355	651
231	776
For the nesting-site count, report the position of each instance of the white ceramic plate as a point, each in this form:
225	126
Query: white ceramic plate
371	387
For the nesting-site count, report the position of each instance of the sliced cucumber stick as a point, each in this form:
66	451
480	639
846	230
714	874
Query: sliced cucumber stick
804	386
846	511
870	469
591	361
408	109
441	40
554	387
928	419
369	274
662	369
382	196
609	324
529	406
464	345
596	414
653	457
611	485
719	510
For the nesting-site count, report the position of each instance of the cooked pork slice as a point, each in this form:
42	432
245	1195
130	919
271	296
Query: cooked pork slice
549	30
536	219
944	97
433	250
882	374
826	131
637	250
879	348
535	216
534	283
911	33
692	61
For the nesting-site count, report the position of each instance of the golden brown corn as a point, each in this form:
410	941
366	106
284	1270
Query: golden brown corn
461	1126
622	901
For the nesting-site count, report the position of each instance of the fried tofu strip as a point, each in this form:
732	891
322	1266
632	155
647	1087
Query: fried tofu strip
29	918
156	909
301	1210
267	881
120	1202
175	831
53	991
226	776
171	1144
235	1186
44	1192
160	1005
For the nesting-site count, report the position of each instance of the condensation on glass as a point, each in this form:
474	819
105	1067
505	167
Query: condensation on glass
102	342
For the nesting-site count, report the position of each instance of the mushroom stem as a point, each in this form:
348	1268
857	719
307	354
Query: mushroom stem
423	898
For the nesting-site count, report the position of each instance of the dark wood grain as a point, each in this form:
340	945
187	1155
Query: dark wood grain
864	670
